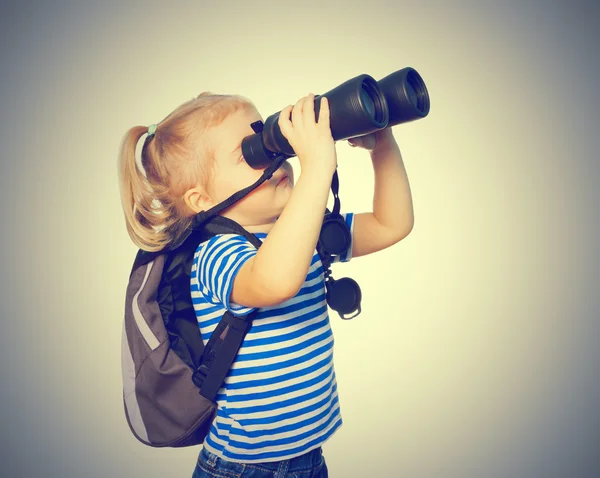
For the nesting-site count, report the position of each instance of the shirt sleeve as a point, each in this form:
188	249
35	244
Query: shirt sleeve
219	261
349	218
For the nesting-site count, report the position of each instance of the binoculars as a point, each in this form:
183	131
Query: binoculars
357	107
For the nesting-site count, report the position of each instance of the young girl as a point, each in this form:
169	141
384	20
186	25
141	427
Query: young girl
279	402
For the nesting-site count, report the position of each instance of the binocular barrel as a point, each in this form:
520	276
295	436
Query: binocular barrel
357	107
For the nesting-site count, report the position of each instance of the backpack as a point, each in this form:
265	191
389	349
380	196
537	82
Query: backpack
170	380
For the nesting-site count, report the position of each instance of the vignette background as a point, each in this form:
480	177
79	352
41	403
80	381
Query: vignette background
477	350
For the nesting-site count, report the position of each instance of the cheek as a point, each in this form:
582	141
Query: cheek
235	179
225	185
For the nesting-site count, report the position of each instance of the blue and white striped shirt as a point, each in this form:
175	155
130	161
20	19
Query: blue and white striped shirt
279	399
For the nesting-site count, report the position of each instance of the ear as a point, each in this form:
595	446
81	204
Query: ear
196	199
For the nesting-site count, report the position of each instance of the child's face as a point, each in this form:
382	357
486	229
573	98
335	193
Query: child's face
262	206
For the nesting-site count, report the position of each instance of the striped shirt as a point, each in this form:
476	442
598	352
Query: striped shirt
279	399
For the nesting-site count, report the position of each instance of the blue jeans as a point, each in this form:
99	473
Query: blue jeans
309	465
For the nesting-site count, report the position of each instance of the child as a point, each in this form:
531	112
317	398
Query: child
279	402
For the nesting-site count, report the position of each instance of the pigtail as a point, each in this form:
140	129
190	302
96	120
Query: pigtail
145	224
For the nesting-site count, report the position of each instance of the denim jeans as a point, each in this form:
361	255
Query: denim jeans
309	465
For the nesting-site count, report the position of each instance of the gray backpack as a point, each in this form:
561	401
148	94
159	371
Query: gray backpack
170	380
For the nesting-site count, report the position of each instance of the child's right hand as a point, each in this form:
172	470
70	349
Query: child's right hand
312	141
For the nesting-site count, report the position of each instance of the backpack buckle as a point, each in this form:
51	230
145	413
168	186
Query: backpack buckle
199	375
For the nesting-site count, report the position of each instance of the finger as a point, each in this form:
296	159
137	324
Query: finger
323	112
297	113
309	109
284	119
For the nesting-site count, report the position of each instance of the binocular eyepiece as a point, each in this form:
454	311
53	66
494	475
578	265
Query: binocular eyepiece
357	107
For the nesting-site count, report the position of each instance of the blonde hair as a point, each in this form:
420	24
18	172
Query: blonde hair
178	157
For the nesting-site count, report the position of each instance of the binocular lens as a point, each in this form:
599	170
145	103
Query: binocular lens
368	102
371	100
416	91
412	96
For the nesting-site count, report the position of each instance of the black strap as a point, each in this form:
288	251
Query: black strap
203	216
226	340
220	353
334	189
224	225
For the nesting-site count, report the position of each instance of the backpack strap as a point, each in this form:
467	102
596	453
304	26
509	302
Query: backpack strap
226	340
220	353
224	225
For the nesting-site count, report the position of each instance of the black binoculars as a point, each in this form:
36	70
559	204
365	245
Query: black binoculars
357	107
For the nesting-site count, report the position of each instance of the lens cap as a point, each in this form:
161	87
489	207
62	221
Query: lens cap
335	236
343	296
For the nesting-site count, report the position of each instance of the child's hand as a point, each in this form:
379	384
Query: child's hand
372	140
312	142
367	142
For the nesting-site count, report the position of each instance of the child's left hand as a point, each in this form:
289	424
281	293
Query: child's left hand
372	140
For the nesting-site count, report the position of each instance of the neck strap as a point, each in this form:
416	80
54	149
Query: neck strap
203	216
